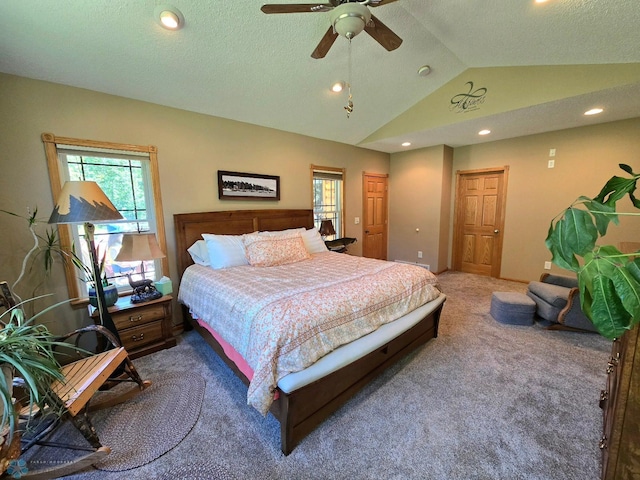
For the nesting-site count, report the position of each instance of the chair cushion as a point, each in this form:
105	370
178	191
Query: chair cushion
552	294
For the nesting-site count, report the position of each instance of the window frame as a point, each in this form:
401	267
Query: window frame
343	173
56	176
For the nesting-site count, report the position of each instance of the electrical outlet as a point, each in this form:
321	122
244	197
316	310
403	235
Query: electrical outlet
547	265
419	254
552	163
552	152
357	220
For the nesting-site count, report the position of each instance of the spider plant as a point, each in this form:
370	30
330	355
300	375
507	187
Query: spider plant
27	348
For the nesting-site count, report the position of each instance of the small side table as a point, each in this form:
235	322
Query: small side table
339	244
143	327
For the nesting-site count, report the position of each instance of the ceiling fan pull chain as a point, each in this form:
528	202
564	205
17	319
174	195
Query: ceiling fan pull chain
349	106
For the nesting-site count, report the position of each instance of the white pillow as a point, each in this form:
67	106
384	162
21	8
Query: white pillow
225	250
199	253
313	241
282	233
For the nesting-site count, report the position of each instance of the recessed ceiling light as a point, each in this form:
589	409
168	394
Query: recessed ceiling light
337	87
424	70
593	111
169	17
541	1
406	144
484	132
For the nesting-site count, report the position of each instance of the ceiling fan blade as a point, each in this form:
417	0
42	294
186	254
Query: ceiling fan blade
325	44
379	3
297	8
382	34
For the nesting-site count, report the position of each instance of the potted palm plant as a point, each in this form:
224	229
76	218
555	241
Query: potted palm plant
609	280
26	355
110	290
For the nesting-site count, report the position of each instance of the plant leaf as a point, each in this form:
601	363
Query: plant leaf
607	312
603	214
555	243
615	189
580	234
626	168
628	290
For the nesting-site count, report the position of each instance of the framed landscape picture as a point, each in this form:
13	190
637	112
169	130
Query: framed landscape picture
247	186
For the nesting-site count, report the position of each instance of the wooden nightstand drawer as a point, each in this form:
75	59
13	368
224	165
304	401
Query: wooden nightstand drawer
143	327
138	316
138	337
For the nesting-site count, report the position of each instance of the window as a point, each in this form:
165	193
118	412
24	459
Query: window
128	175
328	193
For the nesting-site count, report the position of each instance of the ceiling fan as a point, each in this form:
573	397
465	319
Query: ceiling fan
348	18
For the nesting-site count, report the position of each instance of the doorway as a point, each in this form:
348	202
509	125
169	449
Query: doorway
374	221
479	220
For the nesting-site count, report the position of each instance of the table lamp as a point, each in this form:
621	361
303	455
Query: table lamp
140	246
85	202
326	228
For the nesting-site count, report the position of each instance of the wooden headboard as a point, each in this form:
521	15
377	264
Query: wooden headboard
190	226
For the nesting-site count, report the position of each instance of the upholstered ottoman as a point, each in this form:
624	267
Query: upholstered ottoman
512	308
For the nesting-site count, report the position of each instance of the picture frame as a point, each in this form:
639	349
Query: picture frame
248	186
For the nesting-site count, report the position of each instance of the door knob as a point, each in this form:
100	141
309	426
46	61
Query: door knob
366	231
496	231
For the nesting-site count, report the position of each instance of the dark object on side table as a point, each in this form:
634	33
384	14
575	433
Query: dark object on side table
339	244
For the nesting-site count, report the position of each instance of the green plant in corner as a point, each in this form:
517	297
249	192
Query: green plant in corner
609	280
26	352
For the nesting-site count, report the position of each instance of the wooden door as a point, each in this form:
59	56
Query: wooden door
374	221
479	220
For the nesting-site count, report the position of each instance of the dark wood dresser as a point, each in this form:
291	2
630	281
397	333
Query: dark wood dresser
620	402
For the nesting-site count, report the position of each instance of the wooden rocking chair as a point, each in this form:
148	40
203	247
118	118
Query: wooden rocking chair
82	379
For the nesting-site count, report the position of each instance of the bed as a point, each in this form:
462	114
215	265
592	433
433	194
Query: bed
304	399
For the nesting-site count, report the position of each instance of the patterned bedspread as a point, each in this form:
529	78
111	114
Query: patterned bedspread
282	319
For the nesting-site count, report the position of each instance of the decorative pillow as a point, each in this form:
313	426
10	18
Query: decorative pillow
272	250
225	250
313	241
199	253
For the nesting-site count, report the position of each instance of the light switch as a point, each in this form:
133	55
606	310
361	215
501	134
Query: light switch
357	220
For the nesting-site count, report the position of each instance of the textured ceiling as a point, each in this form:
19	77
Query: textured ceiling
232	61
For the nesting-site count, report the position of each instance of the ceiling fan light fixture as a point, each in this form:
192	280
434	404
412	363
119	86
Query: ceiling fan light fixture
349	19
169	17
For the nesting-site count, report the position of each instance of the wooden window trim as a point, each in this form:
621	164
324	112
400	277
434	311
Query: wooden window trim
51	143
343	172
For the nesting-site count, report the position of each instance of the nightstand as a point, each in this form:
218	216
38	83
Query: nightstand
143	327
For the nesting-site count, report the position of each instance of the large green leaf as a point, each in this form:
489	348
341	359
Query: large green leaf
603	214
560	254
615	189
608	313
628	290
580	234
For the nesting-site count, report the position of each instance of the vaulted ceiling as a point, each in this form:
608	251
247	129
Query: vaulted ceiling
523	67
